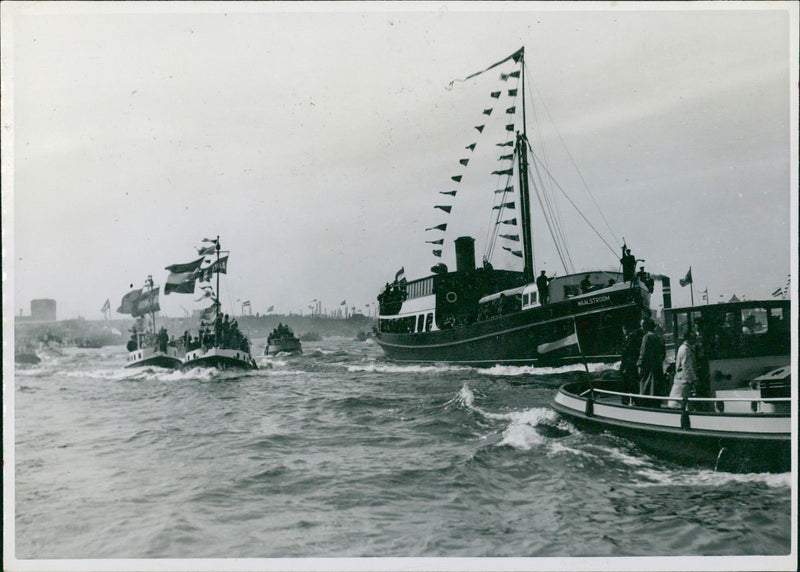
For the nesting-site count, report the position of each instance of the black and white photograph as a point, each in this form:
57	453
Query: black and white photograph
399	285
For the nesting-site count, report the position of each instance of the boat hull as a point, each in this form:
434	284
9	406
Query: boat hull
26	358
220	358
733	442
289	346
543	336
148	357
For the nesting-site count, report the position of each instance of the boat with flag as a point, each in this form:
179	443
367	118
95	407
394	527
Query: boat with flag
219	342
147	346
740	418
502	311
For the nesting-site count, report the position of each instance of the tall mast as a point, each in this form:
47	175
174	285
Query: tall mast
219	304
524	196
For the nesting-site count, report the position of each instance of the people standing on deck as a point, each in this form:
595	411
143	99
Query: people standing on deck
543	285
685	382
586	284
651	362
630	354
628	261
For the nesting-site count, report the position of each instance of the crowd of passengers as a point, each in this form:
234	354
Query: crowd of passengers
222	333
280	331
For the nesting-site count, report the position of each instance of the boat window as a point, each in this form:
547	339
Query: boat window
420	322
525	298
533	297
429	322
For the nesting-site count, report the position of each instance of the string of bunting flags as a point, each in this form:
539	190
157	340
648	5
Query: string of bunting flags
504	189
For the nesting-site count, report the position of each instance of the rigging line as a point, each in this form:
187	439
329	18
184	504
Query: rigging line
613	250
556	232
550	226
547	189
580	175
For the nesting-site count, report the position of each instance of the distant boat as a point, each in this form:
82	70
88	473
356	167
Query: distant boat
148	347
484	316
219	342
26	355
742	424
282	341
310	337
362	336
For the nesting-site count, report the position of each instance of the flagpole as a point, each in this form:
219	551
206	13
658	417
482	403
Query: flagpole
691	290
219	303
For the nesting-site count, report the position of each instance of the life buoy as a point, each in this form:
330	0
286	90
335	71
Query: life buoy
451	297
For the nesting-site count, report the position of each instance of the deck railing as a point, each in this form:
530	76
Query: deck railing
688	400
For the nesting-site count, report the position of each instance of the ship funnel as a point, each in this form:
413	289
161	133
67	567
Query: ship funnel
667	291
465	254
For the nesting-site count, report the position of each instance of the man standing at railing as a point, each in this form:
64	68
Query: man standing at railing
651	363
685	370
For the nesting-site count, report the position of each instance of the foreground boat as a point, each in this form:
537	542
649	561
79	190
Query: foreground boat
283	341
743	424
484	316
146	347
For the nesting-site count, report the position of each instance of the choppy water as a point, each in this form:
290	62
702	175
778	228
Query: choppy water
339	453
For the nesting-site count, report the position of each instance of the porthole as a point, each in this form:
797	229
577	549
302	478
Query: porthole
451	297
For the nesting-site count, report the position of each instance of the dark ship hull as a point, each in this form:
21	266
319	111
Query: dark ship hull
220	358
288	345
588	327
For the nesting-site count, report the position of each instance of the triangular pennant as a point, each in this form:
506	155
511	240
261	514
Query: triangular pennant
504	76
471	146
510	127
487	111
503	172
480	128
506	144
437	253
445	208
504	157
514	74
464	162
514	252
514	237
451	193
509	189
439	241
511	221
511	110
442	226
496	94
512	92
506	205
456	178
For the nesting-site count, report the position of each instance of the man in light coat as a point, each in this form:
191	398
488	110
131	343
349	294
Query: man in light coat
685	370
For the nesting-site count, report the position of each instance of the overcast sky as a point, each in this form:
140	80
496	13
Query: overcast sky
313	139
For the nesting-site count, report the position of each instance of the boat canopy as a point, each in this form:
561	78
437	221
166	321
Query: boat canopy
417	305
509	292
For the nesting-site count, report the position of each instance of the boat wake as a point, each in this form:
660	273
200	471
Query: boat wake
513	370
709	478
393	368
525	429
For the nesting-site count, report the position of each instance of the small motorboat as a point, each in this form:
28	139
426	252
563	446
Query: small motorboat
742	424
283	341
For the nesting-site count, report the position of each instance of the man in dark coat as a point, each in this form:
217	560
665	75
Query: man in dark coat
651	363
543	285
628	261
630	354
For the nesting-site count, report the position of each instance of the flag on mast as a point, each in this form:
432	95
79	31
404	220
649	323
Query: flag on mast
687	279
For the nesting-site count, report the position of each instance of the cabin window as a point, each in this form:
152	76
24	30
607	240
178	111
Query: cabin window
420	322
525	298
533	297
429	322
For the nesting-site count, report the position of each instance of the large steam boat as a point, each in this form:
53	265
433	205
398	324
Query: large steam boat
481	315
740	421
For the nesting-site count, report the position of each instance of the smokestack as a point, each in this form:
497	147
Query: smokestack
465	254
667	290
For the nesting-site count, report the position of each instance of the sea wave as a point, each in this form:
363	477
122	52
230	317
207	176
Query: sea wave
709	478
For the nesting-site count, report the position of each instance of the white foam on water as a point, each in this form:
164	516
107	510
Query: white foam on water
391	368
711	479
514	370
